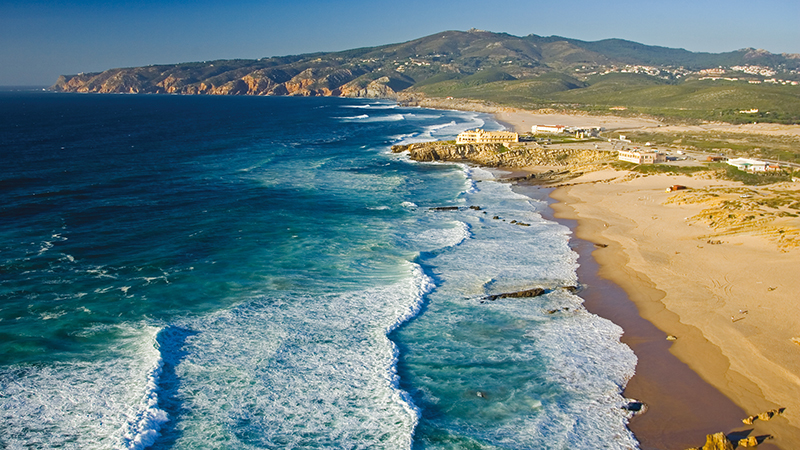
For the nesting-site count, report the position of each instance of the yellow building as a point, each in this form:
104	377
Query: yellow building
479	136
645	157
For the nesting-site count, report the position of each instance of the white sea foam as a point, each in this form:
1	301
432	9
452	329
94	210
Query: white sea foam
455	233
423	116
45	246
374	106
142	430
390	118
100	273
585	365
300	370
368	118
109	402
585	357
401	139
432	128
52	315
359	117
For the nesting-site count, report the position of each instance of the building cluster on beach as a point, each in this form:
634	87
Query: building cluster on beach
653	156
578	132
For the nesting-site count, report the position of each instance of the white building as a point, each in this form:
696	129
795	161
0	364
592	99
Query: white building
642	157
536	129
749	165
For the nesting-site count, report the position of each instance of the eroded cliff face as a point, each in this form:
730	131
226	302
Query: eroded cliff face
497	155
310	82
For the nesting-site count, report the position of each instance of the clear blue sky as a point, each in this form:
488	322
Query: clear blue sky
39	39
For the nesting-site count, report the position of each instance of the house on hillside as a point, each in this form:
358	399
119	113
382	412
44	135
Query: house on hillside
479	136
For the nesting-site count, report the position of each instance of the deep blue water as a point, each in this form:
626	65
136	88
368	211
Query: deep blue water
244	272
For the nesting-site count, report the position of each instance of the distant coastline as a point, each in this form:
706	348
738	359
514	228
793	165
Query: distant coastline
532	72
22	88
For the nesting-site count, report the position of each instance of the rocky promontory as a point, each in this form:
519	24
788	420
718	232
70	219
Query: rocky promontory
498	155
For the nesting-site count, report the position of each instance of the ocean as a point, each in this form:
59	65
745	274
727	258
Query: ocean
198	272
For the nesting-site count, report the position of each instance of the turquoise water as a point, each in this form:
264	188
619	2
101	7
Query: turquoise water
240	272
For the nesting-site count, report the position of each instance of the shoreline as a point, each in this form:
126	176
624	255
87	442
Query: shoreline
668	387
731	357
713	376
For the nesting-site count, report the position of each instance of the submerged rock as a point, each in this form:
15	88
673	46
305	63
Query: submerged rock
636	408
535	292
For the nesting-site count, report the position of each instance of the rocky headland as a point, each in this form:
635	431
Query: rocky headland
498	155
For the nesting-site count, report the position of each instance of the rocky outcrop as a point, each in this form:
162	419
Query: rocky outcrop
750	441
528	293
717	441
383	87
498	155
765	416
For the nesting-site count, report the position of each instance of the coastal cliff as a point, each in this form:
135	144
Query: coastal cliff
310	82
498	155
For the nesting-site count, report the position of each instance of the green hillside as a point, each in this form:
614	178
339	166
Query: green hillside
530	71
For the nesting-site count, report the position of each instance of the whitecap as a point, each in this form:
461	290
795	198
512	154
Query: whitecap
285	370
108	402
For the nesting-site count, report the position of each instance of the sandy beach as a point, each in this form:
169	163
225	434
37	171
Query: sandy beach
521	121
732	306
730	302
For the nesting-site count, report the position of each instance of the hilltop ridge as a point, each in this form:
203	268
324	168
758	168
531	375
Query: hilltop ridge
530	71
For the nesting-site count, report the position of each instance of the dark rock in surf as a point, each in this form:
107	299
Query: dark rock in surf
535	292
